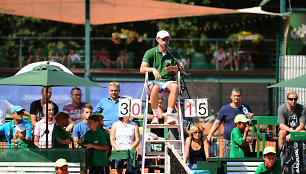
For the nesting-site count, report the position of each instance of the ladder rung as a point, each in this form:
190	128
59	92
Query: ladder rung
165	141
153	173
163	125
154	157
155	153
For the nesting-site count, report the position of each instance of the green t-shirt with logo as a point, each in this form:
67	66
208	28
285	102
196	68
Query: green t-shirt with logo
275	169
160	61
97	158
238	151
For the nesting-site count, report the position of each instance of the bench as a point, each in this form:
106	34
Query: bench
36	167
230	165
242	167
296	136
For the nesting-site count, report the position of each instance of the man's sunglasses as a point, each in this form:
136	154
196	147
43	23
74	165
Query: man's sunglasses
291	99
20	112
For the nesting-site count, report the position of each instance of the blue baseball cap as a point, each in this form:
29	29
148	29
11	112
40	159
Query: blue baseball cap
16	109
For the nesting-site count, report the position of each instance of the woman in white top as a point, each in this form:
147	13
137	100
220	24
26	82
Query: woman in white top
124	135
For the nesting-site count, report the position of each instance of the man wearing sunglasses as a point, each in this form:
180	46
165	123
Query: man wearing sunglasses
291	118
8	129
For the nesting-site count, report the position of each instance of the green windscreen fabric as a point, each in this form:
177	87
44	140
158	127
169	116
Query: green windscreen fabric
44	155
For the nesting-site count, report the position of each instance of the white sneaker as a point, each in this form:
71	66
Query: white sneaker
153	136
170	119
155	120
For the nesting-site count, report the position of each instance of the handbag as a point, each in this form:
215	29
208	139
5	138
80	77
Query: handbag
130	169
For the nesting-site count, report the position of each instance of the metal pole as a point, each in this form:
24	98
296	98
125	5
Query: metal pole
20	52
277	75
219	76
87	49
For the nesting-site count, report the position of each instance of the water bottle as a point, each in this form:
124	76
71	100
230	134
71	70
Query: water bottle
246	112
213	147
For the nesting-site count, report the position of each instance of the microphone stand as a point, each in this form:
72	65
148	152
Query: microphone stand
181	69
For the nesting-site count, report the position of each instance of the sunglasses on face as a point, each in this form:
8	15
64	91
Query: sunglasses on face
20	112
198	132
291	99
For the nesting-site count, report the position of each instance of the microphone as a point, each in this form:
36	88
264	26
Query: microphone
167	46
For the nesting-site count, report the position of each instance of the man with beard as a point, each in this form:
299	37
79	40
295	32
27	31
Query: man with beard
291	118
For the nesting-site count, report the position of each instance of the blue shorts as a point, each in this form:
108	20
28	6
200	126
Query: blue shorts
119	163
162	85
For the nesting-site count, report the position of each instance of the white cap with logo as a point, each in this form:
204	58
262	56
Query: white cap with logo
162	34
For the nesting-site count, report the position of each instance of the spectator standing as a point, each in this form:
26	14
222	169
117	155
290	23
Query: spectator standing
291	118
161	67
81	128
60	138
124	135
96	142
109	107
227	115
239	144
61	166
103	58
36	110
196	147
8	129
40	134
74	108
186	62
219	59
19	138
271	164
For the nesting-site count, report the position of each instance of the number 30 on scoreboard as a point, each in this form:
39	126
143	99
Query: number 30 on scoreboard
196	107
130	108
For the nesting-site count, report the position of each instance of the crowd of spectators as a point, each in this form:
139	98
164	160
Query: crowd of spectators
101	130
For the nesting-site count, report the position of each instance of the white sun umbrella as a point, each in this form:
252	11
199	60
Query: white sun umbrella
31	66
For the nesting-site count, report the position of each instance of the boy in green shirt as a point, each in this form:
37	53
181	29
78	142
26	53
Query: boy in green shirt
239	144
60	138
19	138
96	143
271	165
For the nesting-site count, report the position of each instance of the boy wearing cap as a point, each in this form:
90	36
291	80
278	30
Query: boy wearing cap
19	138
160	65
271	165
8	129
61	166
239	144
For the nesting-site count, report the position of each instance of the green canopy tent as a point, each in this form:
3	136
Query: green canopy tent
47	75
297	82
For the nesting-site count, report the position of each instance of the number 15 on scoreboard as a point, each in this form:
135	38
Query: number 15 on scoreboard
196	107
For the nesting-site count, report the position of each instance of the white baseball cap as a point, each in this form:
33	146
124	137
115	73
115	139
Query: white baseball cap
162	34
20	128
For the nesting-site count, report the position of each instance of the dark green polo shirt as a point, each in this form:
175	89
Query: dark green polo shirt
59	133
97	158
159	61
